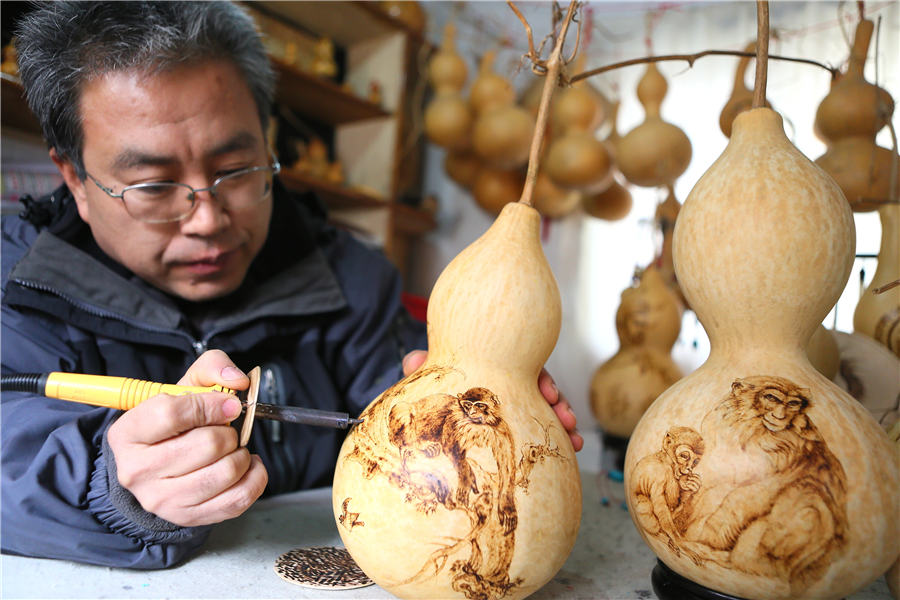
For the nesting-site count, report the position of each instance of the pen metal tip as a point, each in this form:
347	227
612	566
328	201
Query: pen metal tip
355	421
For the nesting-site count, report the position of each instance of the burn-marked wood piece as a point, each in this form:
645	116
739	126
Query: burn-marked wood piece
322	567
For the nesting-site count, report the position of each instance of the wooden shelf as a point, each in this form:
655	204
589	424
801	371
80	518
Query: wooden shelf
406	219
15	112
320	99
349	23
334	196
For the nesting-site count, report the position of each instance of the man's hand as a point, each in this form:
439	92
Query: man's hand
546	385
179	457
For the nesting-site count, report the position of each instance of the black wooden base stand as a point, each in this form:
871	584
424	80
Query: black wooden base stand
669	585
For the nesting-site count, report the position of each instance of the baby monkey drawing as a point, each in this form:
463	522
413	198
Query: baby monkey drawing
663	482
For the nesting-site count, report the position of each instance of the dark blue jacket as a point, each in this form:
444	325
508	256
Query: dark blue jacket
318	312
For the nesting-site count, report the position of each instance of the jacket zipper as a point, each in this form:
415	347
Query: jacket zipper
199	346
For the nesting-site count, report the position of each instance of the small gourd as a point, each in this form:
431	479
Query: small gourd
462	167
854	106
878	315
655	152
463	465
447	70
577	160
502	131
648	322
848	118
552	201
490	88
611	204
755	476
741	96
495	188
448	117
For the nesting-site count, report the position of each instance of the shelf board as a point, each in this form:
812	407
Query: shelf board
407	220
15	112
321	100
334	196
344	22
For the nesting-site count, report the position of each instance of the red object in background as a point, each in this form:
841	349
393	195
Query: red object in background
416	305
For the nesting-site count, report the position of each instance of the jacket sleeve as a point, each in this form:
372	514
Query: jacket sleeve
59	500
376	331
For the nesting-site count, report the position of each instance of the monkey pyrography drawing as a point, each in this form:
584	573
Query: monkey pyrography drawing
399	439
782	515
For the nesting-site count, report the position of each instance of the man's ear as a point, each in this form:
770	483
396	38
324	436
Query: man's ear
75	185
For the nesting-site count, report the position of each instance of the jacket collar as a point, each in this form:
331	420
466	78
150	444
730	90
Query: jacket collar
289	278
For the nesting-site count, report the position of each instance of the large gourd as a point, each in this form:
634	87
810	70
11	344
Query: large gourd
655	152
463	482
878	315
463	464
848	118
754	475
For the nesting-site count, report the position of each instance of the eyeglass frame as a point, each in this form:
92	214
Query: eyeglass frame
275	167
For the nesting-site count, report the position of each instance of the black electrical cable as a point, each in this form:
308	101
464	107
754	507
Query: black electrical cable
33	383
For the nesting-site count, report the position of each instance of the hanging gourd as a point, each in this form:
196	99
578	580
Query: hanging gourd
462	167
878	315
448	118
648	322
552	201
755	476
655	152
848	118
741	96
611	204
462	465
502	131
495	188
576	159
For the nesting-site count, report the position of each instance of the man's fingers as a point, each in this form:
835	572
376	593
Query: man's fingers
213	479
162	417
192	450
231	502
548	387
413	361
213	367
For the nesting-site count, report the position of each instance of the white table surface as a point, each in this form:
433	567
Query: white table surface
609	561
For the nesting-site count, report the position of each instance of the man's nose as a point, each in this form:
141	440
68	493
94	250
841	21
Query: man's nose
209	215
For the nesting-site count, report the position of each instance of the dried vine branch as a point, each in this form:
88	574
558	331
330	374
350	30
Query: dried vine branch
690	58
552	67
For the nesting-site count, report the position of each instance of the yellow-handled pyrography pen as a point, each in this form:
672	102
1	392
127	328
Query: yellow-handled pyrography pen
124	393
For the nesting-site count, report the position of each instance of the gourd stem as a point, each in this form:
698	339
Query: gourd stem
553	67
762	53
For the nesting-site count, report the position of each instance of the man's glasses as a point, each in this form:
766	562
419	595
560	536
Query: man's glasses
168	202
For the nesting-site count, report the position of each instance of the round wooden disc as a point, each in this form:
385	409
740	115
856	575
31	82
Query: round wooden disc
323	567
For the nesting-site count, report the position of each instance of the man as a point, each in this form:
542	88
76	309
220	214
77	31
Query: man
173	254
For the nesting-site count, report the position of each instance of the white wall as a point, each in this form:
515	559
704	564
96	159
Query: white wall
594	260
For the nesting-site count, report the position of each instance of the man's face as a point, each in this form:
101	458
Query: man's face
191	125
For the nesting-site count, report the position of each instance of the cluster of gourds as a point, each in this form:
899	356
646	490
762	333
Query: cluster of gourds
487	137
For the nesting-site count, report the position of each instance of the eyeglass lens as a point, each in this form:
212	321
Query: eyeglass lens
160	202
